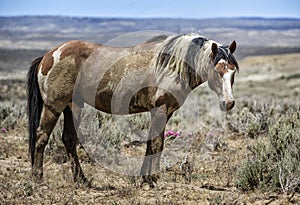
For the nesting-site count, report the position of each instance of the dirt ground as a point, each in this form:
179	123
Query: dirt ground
210	181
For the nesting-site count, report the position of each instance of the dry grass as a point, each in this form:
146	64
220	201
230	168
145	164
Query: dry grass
207	176
212	180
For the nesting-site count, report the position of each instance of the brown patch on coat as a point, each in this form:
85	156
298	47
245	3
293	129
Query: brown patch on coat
78	50
47	62
115	74
222	68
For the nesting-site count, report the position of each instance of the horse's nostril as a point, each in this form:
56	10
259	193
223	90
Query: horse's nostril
232	104
225	106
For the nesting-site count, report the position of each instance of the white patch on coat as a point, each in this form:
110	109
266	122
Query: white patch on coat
41	81
56	55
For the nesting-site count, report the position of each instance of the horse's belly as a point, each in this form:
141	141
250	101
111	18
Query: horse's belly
109	101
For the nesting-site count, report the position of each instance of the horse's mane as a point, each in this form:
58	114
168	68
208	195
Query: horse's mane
185	55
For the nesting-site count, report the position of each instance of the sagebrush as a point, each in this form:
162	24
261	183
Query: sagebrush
274	164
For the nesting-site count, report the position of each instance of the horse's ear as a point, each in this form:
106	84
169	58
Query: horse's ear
232	47
214	50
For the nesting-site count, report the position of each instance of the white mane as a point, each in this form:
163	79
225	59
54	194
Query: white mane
184	57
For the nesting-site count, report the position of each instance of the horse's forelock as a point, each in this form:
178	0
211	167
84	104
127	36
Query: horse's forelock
224	53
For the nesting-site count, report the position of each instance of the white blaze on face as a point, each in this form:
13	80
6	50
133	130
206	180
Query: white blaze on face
227	88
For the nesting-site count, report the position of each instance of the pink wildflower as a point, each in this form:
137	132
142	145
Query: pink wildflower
177	134
3	129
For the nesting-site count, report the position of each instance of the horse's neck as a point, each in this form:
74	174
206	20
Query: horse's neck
199	76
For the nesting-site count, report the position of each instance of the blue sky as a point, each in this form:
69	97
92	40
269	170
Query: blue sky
153	8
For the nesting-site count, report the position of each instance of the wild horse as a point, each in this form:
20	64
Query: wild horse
162	71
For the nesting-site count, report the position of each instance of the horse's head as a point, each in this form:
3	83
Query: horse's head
221	77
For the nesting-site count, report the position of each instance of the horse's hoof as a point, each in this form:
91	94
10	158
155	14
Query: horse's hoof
150	180
147	185
87	183
37	177
37	180
84	182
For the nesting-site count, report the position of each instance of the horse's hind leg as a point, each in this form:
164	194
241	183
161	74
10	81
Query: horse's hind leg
48	121
70	140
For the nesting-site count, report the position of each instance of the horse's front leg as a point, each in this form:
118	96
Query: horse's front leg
155	143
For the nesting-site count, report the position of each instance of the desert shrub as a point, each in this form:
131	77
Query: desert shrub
255	172
274	165
96	128
140	121
9	115
251	120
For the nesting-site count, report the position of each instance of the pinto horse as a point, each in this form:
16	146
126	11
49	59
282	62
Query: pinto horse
168	67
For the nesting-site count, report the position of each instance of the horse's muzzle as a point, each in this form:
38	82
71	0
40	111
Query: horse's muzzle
226	105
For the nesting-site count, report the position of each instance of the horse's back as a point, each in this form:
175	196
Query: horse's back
59	68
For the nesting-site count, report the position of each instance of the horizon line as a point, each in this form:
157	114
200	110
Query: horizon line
156	17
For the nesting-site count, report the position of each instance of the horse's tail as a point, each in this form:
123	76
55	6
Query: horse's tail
34	104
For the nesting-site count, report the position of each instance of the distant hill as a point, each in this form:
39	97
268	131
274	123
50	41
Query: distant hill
45	32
